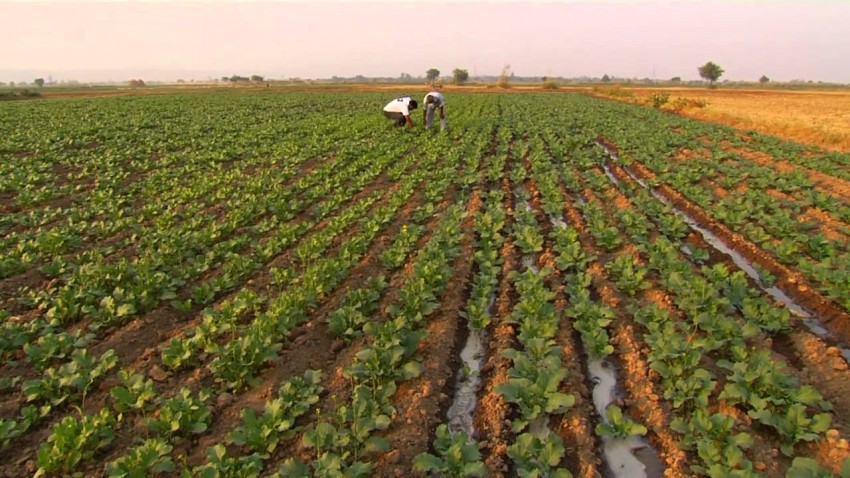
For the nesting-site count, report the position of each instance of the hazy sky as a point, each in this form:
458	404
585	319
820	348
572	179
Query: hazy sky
88	40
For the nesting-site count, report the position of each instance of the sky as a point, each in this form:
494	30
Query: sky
167	39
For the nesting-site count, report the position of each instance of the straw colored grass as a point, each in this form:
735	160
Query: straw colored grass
820	118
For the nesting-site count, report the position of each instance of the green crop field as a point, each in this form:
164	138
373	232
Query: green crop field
263	283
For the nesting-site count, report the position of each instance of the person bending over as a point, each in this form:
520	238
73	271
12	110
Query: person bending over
399	110
433	101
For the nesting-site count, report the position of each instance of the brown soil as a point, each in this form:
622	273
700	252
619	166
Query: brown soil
576	426
424	399
492	416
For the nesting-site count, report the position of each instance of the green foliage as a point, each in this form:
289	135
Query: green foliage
710	71
134	394
714	440
457	456
181	415
460	76
219	465
357	308
538	457
535	383
263	433
74	441
151	458
659	99
617	425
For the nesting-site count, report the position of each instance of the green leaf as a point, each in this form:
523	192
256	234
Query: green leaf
425	462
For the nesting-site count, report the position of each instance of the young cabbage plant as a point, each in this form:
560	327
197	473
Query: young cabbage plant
74	441
457	456
135	393
151	458
617	425
181	415
538	457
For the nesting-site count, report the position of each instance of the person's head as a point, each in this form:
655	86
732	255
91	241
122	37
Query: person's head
430	100
413	105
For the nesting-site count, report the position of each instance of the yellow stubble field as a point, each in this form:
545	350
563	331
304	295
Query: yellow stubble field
820	118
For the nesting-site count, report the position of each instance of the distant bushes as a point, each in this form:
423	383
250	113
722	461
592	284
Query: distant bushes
550	84
656	99
680	104
19	95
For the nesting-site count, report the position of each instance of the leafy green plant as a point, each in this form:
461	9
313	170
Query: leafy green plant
457	456
181	414
528	238
52	345
134	394
628	275
536	395
73	441
617	425
263	433
219	465
713	438
237	362
794	425
538	457
75	377
151	458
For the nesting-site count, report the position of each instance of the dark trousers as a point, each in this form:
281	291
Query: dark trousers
397	117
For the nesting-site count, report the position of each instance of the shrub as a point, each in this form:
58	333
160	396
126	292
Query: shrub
659	99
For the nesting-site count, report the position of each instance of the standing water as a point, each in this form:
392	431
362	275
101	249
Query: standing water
630	457
462	408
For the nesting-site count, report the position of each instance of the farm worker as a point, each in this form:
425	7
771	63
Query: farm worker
399	110
434	100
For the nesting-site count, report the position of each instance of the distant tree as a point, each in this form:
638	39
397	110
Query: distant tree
405	76
505	76
256	78
39	82
711	72
136	83
764	79
460	76
225	78
432	74
12	84
676	79
606	78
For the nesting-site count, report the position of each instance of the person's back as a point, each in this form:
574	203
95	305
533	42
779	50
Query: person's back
432	101
399	110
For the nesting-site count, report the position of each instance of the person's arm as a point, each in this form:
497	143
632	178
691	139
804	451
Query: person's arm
443	112
408	120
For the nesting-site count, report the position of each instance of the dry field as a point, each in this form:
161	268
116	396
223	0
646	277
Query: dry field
820	118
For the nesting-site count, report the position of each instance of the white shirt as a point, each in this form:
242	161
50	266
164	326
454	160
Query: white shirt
399	105
441	100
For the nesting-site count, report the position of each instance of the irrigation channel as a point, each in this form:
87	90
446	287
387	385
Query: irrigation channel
808	319
634	456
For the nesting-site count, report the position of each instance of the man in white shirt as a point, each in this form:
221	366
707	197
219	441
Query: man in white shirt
432	101
399	110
